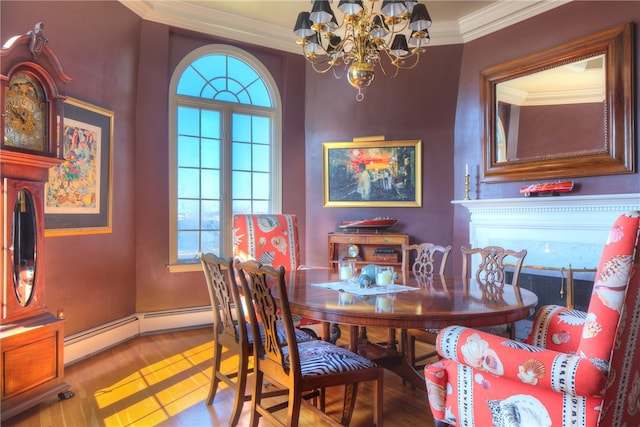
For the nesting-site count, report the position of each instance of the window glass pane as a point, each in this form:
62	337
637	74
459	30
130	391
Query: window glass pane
211	242
210	124
259	94
211	66
211	153
234	87
190	83
241	207
227	96
188	151
210	184
241	187
219	84
188	121
261	158
261	130
241	128
261	186
244	98
188	215
261	207
188	245
210	215
188	183
241	156
241	71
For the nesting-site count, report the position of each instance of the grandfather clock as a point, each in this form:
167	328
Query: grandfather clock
31	338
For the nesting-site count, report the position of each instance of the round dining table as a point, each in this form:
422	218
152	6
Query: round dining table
413	302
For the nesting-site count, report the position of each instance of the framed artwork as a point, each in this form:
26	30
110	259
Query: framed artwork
78	193
373	173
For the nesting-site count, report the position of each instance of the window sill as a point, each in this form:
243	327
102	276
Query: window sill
184	268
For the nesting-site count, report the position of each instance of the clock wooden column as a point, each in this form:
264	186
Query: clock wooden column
31	338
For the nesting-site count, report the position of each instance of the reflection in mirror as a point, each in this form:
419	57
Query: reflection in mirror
535	112
561	113
24	242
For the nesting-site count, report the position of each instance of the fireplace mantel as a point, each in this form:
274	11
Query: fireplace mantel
557	231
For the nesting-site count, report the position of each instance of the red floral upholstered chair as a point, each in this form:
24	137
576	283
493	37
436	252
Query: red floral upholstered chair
575	369
271	239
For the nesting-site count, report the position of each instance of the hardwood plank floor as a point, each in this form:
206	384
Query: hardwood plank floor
163	380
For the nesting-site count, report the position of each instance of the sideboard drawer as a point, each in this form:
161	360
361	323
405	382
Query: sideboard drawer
349	238
388	240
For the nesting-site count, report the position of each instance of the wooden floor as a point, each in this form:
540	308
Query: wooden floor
163	380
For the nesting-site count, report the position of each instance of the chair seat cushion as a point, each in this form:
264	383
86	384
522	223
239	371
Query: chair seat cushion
320	358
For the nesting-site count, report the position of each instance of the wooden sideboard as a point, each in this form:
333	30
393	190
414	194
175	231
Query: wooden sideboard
367	243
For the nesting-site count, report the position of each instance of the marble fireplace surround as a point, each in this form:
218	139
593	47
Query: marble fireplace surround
557	231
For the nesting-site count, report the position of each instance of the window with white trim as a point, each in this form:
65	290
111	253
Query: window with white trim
224	159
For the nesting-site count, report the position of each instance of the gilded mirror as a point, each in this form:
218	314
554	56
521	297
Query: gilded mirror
561	113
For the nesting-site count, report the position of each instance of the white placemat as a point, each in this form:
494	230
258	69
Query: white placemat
354	288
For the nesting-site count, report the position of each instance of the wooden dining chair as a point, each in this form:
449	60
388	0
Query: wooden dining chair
299	367
490	273
230	330
426	260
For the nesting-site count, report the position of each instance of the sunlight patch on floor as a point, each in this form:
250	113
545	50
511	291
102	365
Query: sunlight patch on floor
156	402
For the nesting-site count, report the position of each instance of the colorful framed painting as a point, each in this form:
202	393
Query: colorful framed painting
78	193
373	173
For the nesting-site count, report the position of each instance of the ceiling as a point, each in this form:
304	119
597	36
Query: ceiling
271	21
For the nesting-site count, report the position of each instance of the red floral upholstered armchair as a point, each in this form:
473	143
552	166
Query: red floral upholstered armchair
575	368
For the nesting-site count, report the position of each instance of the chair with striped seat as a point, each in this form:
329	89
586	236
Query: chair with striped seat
230	330
298	367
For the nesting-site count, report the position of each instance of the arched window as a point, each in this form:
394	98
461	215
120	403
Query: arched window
225	121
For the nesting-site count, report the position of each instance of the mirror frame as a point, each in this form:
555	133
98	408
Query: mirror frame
617	153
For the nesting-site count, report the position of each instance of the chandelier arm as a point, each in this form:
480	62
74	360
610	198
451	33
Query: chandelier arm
356	45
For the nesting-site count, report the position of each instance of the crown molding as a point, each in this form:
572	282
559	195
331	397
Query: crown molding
192	16
501	15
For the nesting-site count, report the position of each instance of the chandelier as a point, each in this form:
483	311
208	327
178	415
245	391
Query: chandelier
364	38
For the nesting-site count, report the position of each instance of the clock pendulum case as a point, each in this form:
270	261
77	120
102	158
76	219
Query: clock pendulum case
31	338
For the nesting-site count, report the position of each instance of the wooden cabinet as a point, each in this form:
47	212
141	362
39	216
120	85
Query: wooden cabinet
382	248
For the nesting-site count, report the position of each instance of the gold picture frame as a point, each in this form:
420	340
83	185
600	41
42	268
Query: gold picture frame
78	194
393	173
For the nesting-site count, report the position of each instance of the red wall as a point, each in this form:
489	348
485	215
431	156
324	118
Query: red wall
560	25
92	277
418	104
157	288
124	64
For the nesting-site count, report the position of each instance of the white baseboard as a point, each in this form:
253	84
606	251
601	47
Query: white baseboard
92	341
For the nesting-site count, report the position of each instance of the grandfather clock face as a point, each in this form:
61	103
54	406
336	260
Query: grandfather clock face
26	113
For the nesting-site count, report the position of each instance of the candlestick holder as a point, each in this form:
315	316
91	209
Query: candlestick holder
466	187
